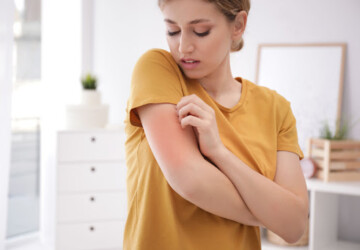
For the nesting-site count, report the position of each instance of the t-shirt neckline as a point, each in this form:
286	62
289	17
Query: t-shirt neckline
238	105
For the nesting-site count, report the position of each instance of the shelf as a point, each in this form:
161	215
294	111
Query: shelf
266	245
348	188
343	245
108	129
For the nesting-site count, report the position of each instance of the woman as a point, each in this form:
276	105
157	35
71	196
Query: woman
210	157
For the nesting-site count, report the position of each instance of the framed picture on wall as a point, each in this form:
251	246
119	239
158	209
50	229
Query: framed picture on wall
310	76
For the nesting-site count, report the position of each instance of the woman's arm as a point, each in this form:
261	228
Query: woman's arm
187	172
281	205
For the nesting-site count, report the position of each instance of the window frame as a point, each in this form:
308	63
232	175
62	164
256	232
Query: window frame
6	44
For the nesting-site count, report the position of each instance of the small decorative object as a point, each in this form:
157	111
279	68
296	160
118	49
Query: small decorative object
89	95
90	113
277	240
308	167
338	159
89	82
340	131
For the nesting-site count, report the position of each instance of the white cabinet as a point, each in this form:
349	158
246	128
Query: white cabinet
90	190
324	216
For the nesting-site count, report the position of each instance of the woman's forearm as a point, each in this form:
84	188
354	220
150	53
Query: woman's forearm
209	189
185	169
275	207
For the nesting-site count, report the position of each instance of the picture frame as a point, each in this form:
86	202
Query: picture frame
310	77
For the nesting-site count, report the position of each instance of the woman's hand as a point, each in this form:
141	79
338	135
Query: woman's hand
195	112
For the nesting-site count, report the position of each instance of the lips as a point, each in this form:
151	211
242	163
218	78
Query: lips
189	63
189	60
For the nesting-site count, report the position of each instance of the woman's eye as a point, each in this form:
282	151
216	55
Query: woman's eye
203	33
173	33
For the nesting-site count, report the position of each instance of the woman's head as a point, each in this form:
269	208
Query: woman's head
229	8
202	33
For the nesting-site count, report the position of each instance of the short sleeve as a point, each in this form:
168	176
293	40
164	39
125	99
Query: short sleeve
287	135
156	78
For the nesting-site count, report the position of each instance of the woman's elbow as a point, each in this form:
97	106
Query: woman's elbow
297	231
179	178
295	236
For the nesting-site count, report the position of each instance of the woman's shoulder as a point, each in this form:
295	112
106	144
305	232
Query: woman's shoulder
266	94
156	61
157	55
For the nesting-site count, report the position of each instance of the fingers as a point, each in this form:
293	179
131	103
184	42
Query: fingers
192	121
195	112
193	99
191	109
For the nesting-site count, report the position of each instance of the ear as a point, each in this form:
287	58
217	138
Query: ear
239	25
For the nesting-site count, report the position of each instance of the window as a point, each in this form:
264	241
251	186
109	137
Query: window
23	202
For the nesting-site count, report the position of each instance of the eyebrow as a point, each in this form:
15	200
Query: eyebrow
201	20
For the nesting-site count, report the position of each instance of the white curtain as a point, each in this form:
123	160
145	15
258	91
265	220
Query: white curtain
6	48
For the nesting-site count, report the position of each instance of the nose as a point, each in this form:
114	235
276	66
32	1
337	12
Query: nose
186	46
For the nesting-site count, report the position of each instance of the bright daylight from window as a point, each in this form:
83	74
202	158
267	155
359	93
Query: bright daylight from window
23	205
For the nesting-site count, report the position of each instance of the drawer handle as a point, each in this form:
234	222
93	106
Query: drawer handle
92	199
93	139
92	228
93	169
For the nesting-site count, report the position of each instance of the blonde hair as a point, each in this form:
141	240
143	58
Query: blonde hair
230	8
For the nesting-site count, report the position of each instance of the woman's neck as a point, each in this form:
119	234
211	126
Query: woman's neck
220	81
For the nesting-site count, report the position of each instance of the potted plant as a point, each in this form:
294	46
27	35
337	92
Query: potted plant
90	96
339	134
89	81
90	113
336	157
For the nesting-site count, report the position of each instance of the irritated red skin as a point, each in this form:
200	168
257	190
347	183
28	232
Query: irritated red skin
173	153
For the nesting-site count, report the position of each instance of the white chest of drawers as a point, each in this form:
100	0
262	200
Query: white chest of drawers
91	190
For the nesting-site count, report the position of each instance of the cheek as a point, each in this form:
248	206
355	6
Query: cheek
172	43
217	48
223	43
218	43
169	42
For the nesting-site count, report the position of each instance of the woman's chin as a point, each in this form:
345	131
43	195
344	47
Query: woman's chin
192	74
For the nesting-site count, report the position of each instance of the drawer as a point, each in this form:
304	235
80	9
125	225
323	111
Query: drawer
91	206
100	235
96	146
91	177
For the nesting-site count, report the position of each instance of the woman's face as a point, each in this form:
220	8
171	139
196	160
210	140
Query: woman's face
199	36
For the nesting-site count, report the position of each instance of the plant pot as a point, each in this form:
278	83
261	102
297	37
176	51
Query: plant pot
90	97
90	113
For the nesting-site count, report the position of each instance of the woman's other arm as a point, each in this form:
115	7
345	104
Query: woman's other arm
185	169
281	205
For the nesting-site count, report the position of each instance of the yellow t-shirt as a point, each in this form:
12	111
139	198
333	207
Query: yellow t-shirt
254	129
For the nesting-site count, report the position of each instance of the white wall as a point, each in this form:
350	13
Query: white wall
123	30
6	45
61	67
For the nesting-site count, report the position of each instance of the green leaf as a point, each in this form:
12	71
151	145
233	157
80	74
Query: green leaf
89	81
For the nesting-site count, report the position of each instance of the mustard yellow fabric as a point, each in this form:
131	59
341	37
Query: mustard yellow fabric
255	129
